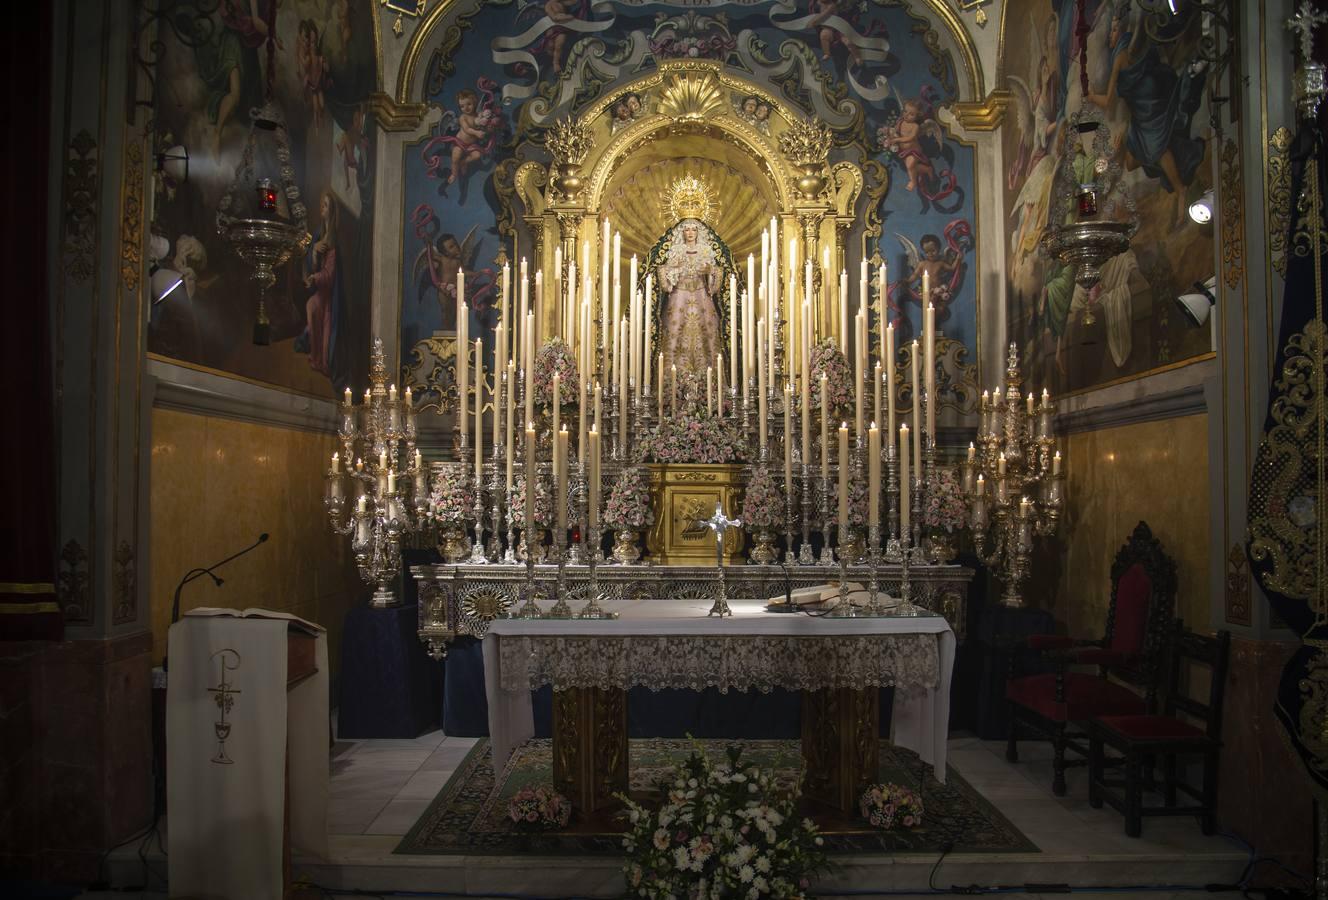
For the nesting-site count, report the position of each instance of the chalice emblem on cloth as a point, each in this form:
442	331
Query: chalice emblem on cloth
224	696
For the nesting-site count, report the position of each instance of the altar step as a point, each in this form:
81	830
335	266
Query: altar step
377	800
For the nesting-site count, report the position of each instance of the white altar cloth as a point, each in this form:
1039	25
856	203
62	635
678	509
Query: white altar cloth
672	643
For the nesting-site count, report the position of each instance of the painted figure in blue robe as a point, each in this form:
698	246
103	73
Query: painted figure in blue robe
1161	103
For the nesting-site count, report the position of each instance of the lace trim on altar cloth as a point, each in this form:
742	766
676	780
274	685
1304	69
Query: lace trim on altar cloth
908	662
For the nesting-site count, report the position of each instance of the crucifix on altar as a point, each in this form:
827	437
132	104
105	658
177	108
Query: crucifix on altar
719	523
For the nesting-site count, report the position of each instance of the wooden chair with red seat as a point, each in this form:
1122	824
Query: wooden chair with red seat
1143	600
1141	738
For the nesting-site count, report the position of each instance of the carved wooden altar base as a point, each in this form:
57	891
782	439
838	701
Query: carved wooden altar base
840	752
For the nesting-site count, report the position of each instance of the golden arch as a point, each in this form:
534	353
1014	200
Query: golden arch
409	81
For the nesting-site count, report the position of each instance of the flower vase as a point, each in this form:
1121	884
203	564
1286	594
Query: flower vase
541	552
941	549
625	550
454	546
763	550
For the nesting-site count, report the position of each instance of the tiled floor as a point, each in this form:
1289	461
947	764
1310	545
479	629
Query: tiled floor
379	789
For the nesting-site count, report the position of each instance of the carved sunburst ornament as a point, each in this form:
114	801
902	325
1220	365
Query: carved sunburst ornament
692	95
688	198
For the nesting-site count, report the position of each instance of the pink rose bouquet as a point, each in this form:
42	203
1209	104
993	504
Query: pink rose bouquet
556	356
763	507
889	806
538	808
628	508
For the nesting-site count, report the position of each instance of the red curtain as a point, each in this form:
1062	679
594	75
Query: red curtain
28	607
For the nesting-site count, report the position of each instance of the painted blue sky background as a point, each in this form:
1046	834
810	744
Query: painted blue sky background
633	37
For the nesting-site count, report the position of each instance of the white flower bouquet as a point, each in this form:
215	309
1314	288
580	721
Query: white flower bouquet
722	831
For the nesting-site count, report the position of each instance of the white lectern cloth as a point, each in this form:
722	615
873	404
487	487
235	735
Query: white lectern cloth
225	820
920	719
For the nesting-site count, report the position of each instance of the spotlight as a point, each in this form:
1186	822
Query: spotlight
163	282
1199	305
174	163
1201	210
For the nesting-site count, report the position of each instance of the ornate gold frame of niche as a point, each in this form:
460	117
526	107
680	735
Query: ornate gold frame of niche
689	122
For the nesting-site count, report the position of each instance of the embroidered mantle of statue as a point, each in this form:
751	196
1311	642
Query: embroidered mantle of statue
689	312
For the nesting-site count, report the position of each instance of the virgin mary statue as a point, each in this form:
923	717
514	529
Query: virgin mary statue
690	263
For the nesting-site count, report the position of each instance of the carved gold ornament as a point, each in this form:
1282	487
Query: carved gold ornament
688	198
692	95
807	142
569	142
1279	197
1233	217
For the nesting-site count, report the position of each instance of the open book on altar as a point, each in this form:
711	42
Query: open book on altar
255	612
817	594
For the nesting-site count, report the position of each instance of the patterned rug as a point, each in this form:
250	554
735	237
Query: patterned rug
469	815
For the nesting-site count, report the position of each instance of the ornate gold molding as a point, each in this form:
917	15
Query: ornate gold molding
1233	216
983	115
131	217
72	583
126	585
1238	587
394	115
1279	197
691	95
80	242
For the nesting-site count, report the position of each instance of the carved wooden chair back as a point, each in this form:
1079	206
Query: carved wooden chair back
1143	604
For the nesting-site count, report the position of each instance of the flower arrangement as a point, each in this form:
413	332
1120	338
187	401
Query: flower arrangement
692	439
946	508
543	502
722	831
538	808
763	506
556	356
888	806
857	501
828	360
629	502
451	503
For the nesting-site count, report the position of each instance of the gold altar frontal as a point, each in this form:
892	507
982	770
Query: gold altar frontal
681	495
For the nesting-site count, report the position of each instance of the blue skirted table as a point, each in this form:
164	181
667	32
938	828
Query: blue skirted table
388	686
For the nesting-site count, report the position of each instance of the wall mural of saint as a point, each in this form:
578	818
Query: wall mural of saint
873	72
1146	82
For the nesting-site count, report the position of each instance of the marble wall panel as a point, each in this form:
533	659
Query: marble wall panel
1154	471
216	484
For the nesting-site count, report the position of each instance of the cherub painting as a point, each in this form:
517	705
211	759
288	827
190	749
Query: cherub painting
915	140
313	70
469	137
552	41
437	264
942	258
753	110
625	111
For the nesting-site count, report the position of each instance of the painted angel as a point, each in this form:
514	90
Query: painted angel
917	142
944	268
469	135
1035	108
437	264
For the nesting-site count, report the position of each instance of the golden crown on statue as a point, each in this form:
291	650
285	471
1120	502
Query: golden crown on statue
688	198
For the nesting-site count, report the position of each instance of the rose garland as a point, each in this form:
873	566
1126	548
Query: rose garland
763	506
451	502
945	503
556	356
543	502
629	502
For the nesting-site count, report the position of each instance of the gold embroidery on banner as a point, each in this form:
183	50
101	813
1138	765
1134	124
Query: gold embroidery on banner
1279	197
224	697
1233	217
131	220
1314	713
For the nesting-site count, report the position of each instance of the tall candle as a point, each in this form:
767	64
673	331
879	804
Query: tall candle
593	439
509	417
874	475
622	386
788	439
560	496
557	400
762	375
673	390
1056	463
538	309
599	409
929	322
497	378
659	381
479	413
825	426
582	411
889	387
843	484
917	407
807	415
710	386
649	304
905	488
882	319
531	475
859	384
876	383
529	334
503	317
733	329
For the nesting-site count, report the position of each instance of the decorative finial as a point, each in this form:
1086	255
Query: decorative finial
1303	24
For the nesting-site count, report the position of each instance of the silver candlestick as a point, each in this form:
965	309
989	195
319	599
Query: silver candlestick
560	609
844	608
578	491
477	556
805	557
827	551
592	609
875	607
905	607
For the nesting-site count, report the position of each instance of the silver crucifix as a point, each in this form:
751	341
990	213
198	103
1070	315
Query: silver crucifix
719	523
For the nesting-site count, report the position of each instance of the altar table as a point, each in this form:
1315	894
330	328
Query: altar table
839	664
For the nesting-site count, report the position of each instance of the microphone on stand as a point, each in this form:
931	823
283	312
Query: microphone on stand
200	571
